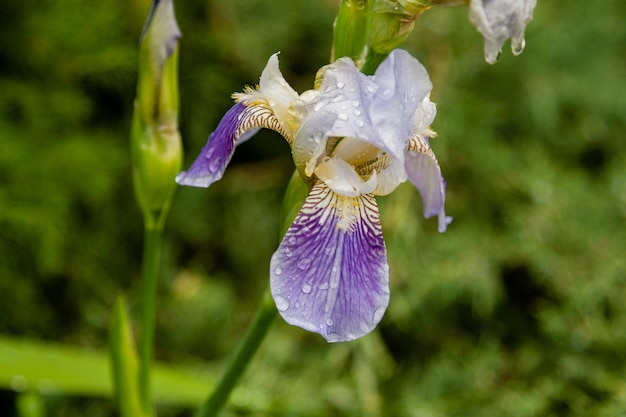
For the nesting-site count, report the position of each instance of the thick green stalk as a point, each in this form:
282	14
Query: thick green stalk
372	61
296	193
351	30
153	234
241	358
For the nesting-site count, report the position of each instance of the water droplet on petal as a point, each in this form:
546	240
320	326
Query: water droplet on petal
378	314
292	240
340	84
282	303
306	288
278	271
357	112
329	322
342	116
369	89
359	123
215	164
324	286
288	253
355	103
518	47
304	264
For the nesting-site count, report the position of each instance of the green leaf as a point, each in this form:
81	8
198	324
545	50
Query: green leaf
55	369
30	404
124	366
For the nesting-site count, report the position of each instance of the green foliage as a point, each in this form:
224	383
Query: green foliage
516	310
51	369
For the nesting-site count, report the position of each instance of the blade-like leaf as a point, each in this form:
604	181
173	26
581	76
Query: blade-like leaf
124	366
56	369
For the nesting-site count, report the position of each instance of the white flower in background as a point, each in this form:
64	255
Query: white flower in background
499	20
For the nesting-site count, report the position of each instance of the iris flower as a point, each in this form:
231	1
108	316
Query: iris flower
352	137
499	20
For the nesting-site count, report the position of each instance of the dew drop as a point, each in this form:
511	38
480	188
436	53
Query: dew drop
282	304
292	240
278	271
518	47
378	314
306	288
357	112
324	286
340	84
359	123
355	103
215	164
329	322
369	89
342	116
288	253
304	264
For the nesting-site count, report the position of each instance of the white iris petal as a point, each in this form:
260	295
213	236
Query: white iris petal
499	20
341	177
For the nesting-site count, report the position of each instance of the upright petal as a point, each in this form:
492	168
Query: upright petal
423	170
275	94
330	273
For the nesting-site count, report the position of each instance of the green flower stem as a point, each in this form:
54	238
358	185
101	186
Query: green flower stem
241	358
372	62
351	29
153	237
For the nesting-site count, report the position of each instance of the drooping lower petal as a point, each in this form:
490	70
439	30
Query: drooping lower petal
330	273
238	125
423	170
210	165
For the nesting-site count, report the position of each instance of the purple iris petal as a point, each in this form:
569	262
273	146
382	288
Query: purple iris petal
210	165
424	172
330	273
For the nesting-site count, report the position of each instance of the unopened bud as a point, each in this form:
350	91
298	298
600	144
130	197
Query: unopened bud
156	142
392	22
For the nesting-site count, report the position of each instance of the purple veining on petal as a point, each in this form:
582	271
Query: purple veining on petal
330	273
424	172
210	165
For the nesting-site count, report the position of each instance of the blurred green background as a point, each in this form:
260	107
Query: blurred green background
519	309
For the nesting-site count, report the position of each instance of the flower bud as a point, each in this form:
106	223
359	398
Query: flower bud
392	22
155	139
